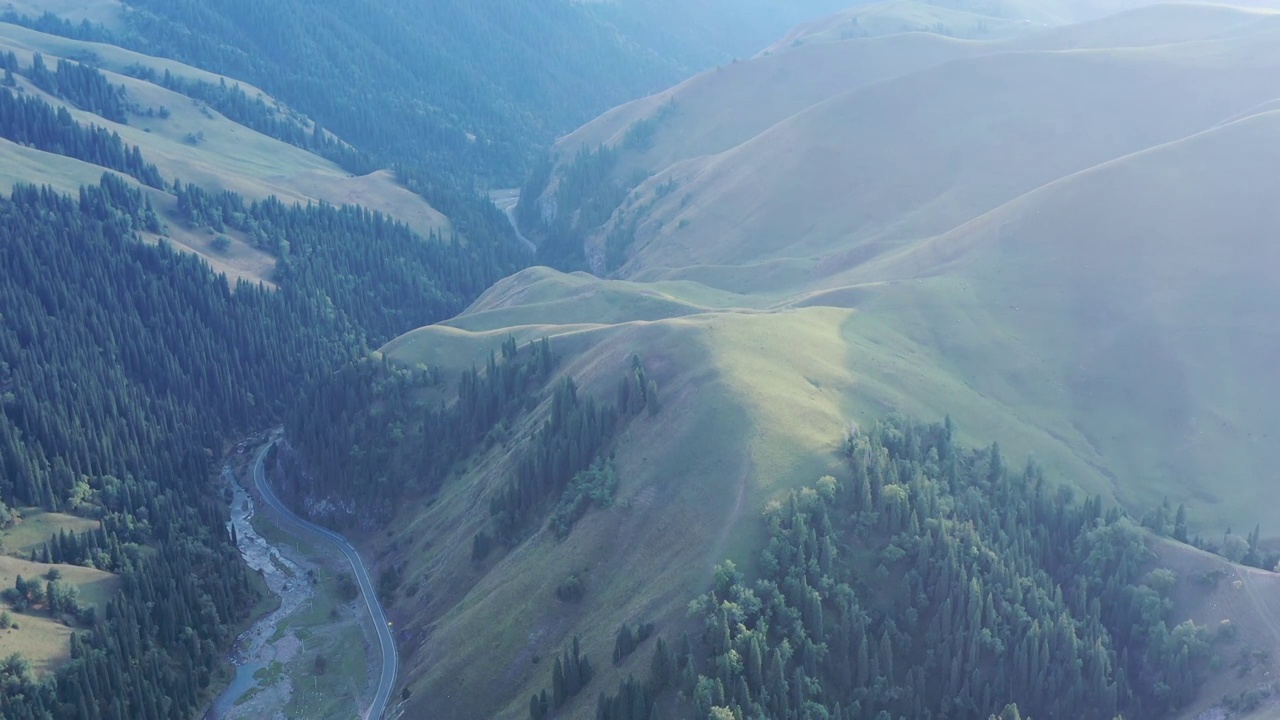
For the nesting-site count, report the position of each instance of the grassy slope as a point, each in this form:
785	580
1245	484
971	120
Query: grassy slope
230	156
20	164
35	528
719	109
919	154
24	41
978	19
41	639
1149	26
752	403
1031	24
1141	323
690	477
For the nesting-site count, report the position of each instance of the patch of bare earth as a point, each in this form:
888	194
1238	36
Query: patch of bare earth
1242	607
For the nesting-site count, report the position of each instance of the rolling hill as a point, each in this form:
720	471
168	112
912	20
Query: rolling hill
1063	240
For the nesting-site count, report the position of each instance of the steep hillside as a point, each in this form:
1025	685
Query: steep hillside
590	171
782	214
1213	592
1062	240
753	404
720	109
1141	319
922	153
717	144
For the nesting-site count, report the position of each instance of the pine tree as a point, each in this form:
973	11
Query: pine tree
558	687
755	664
661	667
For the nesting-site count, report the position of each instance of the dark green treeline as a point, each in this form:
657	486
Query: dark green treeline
376	431
81	85
931	581
34	122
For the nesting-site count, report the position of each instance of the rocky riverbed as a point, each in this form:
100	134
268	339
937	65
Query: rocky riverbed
261	689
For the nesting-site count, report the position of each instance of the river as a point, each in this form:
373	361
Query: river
255	649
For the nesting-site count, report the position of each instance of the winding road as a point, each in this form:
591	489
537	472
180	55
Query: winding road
506	201
390	658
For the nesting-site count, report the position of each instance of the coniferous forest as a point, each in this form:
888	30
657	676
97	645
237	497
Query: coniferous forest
931	581
399	422
380	433
124	368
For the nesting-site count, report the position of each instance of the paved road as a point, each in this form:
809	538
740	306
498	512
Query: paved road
506	201
390	659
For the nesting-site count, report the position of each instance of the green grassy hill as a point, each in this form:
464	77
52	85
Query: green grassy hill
919	154
735	428
720	109
1086	149
193	142
1136	321
709	150
1064	241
